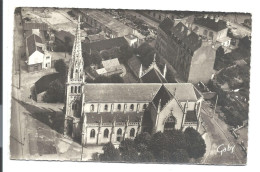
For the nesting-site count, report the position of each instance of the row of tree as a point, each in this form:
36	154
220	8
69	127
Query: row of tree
169	147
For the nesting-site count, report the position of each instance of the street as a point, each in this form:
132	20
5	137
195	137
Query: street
219	138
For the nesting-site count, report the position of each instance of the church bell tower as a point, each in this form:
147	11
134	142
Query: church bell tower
75	82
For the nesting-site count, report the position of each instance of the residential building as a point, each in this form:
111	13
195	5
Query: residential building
100	113
191	57
110	67
37	56
212	29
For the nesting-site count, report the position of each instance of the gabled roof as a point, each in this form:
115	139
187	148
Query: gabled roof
190	39
61	35
110	63
136	92
166	25
31	43
30	26
211	23
153	76
163	96
104	44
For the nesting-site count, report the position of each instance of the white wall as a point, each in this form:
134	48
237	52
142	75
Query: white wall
36	57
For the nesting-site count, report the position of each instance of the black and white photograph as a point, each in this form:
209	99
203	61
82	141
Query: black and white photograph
130	86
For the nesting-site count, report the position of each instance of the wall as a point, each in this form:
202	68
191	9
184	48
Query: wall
36	57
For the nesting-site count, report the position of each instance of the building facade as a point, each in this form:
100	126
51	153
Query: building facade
101	113
191	57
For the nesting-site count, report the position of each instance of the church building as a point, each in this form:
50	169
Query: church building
100	113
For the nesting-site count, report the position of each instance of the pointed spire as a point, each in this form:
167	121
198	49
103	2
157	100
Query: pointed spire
159	106
154	58
164	71
141	71
174	91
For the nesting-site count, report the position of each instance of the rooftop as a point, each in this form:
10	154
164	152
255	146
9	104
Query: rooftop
32	42
166	25
213	24
153	76
139	92
104	44
30	26
106	20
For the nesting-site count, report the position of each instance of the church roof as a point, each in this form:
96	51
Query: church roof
107	117
191	116
136	92
163	96
166	25
153	76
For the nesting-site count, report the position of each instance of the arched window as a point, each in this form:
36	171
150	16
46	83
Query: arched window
106	107
169	123
144	106
92	108
106	132
75	90
132	107
132	132
92	133
119	131
79	89
71	89
119	107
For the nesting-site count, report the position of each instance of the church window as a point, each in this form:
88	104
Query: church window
71	89
119	131
132	132
75	90
92	133
106	132
144	106
91	108
106	107
79	89
132	107
169	123
119	107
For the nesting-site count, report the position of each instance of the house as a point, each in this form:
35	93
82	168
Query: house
37	56
100	113
132	40
110	67
213	29
64	36
104	44
191	57
94	38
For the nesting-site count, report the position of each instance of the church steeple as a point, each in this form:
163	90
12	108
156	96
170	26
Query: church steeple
76	66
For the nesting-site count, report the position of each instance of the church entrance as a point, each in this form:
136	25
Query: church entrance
170	123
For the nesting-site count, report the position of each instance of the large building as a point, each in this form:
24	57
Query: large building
212	29
191	57
101	113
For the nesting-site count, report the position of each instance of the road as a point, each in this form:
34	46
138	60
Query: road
220	138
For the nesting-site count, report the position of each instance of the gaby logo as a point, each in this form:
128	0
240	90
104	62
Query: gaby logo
222	148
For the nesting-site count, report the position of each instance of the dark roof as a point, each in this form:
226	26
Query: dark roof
211	23
136	92
104	44
107	117
61	35
191	116
153	76
30	26
31	44
183	35
164	95
166	25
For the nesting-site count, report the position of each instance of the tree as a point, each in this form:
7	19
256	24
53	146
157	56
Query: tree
110	153
158	146
177	140
146	156
196	146
180	156
142	141
55	93
128	151
60	67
